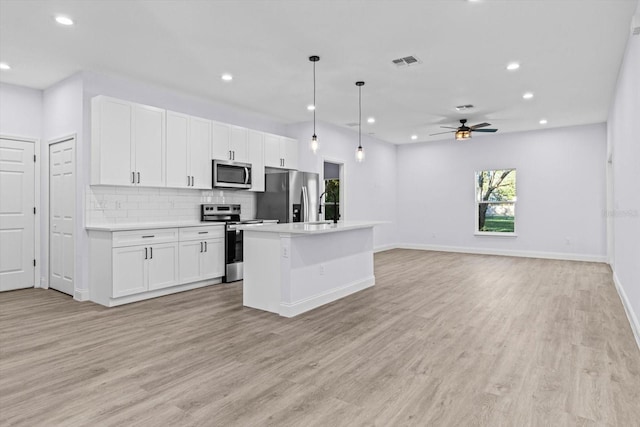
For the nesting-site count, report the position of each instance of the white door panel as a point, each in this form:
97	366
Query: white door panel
17	223
163	266
177	140
213	259
62	185
114	133
190	261
129	270
200	153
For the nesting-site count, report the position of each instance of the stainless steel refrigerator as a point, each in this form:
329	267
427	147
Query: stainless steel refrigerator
289	196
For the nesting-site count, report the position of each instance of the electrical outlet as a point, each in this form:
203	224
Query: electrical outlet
285	252
568	241
322	269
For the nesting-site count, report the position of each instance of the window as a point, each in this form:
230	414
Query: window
331	198
496	201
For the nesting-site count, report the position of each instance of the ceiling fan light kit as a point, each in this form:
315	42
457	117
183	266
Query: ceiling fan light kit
463	131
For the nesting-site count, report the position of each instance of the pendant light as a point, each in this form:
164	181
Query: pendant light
359	150
314	139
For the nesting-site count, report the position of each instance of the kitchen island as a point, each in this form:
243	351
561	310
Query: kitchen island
295	267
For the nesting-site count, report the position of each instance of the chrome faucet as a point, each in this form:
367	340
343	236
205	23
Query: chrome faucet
336	215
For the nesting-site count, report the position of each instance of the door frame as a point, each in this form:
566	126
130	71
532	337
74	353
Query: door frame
47	223
37	225
343	193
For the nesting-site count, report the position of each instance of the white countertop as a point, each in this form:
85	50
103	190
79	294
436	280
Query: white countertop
310	228
150	226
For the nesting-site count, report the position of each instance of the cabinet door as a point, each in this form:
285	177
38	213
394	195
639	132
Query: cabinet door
289	151
190	253
256	158
111	141
239	142
220	141
272	156
163	266
149	145
177	141
129	271
212	259
200	153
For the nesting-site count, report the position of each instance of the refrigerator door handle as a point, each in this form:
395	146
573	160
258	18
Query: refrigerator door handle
305	203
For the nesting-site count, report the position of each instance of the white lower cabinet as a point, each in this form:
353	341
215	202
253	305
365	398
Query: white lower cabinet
201	253
128	266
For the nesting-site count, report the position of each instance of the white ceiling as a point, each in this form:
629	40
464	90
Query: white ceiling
570	52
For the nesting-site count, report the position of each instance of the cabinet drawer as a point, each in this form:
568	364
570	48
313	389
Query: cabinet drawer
144	237
202	233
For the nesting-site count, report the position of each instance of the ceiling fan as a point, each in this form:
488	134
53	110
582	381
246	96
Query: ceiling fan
464	131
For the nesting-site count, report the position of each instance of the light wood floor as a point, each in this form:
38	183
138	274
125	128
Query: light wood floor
441	340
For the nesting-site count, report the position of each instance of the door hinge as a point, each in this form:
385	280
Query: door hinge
34	262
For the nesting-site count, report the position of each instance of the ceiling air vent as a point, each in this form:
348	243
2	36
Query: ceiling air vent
464	107
406	61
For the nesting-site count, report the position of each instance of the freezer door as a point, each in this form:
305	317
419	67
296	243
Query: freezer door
274	202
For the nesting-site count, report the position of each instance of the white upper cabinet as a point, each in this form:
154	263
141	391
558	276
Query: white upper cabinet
188	151
200	152
127	143
220	142
149	145
178	150
230	142
280	152
111	141
256	158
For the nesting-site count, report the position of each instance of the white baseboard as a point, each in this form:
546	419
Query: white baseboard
633	320
505	252
384	248
81	294
299	307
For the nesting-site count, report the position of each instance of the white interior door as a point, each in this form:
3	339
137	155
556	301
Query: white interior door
62	184
17	215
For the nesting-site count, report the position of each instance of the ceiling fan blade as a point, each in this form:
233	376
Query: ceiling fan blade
480	125
448	127
485	130
440	133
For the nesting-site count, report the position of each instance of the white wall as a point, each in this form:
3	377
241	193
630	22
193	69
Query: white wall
624	214
20	111
560	189
370	187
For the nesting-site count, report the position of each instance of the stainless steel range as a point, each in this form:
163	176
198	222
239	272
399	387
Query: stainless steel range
230	215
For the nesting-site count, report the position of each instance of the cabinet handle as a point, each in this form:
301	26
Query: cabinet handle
200	247
193	181
151	252
146	237
230	155
205	246
146	255
138	177
203	232
188	180
133	177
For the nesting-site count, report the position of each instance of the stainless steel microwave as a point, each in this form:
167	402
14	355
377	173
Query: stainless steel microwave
228	174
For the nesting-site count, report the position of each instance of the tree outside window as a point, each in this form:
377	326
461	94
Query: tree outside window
331	198
496	201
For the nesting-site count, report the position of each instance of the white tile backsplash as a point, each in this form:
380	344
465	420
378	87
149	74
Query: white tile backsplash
120	205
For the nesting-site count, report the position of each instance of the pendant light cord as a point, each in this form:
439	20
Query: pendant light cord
314	98
359	116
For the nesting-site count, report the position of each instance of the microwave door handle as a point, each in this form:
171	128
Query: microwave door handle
246	175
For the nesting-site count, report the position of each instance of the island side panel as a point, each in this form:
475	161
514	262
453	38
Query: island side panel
262	277
326	267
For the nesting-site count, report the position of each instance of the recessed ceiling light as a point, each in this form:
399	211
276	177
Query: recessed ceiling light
4	66
414	137
528	95
543	121
64	20
311	107
371	120
513	66
227	77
